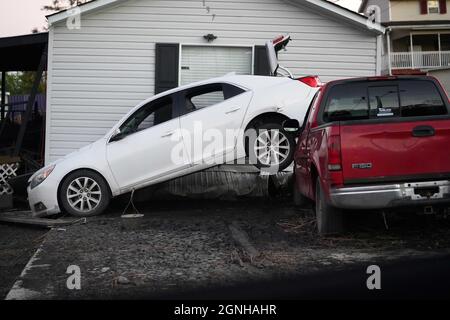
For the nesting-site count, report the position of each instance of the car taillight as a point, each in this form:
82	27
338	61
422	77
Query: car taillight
334	153
312	81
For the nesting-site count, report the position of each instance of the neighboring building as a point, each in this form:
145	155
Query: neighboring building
128	50
418	35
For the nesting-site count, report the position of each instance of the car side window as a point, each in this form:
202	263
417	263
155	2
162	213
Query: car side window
149	115
347	102
208	95
420	98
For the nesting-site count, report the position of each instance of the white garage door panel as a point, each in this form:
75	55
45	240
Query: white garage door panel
204	62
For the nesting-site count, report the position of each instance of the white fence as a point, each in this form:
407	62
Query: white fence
418	60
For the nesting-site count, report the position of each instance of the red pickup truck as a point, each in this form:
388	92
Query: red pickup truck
373	143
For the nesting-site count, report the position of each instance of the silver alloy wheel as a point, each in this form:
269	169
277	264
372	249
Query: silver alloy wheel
84	194
271	147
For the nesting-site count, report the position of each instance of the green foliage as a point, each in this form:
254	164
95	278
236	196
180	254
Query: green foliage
18	83
57	5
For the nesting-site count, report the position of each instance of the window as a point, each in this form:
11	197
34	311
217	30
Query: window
205	96
389	99
420	98
383	101
347	102
149	115
433	6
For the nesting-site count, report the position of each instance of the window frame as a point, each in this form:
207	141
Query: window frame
437	7
172	97
183	95
377	83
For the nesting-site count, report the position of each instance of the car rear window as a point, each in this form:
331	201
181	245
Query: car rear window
383	99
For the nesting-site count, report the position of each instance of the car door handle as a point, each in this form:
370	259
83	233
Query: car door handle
423	131
168	134
233	110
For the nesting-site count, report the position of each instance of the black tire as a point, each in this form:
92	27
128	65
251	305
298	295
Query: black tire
299	199
100	192
329	219
290	143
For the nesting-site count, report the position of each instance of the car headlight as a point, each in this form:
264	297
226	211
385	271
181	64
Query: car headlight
41	176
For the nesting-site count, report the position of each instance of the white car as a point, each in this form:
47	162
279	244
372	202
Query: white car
163	138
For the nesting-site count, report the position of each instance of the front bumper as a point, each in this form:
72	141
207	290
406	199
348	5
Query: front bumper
43	199
390	195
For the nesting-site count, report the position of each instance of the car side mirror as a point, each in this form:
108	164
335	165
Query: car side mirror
292	126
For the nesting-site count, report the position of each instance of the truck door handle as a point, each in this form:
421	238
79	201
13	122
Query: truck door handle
423	131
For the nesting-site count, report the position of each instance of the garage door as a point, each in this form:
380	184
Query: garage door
204	62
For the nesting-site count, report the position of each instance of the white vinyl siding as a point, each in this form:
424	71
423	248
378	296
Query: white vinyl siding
99	72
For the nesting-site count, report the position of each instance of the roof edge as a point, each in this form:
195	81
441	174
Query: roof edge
322	5
84	8
337	11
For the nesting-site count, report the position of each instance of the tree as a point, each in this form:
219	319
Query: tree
58	5
18	83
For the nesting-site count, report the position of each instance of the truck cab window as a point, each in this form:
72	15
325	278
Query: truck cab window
384	102
420	98
347	102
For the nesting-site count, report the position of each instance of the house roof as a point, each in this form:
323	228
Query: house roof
321	6
22	53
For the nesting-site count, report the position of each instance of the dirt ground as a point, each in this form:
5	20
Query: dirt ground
17	245
178	246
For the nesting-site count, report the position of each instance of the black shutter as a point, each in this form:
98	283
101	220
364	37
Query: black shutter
261	67
166	66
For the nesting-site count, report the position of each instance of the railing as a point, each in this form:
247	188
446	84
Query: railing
418	60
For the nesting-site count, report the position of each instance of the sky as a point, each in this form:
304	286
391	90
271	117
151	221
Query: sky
19	17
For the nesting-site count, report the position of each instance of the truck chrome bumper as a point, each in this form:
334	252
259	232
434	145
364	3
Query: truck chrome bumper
391	195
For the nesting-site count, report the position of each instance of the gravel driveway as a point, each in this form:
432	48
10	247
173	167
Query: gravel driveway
178	246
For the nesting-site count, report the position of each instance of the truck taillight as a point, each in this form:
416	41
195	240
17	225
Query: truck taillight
312	81
334	153
335	177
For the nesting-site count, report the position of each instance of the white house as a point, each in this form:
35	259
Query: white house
124	51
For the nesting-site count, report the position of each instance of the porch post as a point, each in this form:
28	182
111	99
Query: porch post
439	49
3	95
388	39
412	54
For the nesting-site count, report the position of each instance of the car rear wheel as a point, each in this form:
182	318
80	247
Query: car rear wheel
271	147
329	219
84	194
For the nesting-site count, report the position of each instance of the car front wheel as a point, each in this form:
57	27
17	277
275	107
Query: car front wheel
84	194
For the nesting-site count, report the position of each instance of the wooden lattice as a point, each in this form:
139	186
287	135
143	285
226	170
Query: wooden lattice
7	171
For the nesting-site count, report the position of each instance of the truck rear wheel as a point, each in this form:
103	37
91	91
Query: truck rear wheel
299	199
329	219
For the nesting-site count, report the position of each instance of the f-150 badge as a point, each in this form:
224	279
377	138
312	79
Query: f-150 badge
362	165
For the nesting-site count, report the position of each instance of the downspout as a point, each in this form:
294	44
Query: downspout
388	40
379	59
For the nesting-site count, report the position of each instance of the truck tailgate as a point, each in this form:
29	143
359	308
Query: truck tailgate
396	151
